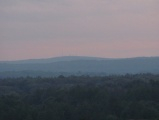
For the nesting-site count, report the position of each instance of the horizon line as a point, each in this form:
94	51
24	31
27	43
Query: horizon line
77	56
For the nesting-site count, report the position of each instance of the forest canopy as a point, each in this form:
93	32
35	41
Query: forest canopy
80	97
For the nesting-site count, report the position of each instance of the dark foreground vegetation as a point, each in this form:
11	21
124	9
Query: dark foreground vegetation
80	98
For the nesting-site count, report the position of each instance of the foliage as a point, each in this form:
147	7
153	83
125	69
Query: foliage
80	98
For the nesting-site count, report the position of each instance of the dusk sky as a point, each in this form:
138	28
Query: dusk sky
102	28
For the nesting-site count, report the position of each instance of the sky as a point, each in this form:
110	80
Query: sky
102	28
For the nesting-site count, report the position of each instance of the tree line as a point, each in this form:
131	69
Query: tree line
114	97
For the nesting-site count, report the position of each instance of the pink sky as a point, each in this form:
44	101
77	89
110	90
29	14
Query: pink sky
111	28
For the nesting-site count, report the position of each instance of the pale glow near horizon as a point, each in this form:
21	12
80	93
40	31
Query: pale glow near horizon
105	28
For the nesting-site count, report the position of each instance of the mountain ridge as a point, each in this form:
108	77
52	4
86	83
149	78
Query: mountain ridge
67	58
55	59
91	66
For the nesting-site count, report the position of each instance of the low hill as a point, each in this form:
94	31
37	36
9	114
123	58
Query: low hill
54	59
82	65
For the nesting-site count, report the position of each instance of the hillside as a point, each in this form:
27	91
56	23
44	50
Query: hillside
82	65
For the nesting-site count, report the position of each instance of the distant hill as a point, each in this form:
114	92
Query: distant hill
79	65
54	59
